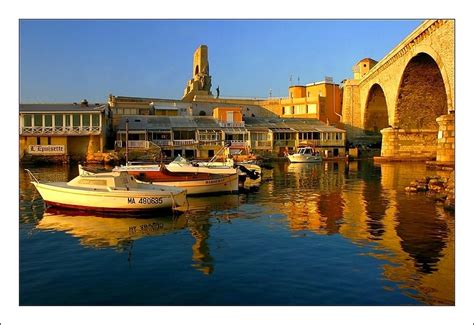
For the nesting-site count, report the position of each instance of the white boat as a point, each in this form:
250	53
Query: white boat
182	165
112	192
305	155
196	181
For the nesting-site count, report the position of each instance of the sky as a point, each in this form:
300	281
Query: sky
71	60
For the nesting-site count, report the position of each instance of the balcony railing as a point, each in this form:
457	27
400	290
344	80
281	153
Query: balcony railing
60	130
206	143
232	124
144	144
133	144
238	143
322	143
179	143
163	143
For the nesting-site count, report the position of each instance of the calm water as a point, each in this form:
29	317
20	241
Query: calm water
313	234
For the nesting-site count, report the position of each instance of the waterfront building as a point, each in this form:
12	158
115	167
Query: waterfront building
231	121
62	131
121	106
286	135
203	136
188	136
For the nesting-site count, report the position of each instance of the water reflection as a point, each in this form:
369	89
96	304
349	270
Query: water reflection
359	201
368	204
105	231
98	231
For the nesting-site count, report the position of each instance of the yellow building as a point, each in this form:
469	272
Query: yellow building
228	116
318	100
62	131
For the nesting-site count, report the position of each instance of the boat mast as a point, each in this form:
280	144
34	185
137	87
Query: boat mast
126	142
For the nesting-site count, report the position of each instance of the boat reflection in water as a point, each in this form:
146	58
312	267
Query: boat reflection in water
111	231
351	224
413	236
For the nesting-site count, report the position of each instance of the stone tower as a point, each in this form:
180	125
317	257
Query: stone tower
200	84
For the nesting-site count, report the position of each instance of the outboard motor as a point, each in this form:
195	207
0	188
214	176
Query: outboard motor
250	173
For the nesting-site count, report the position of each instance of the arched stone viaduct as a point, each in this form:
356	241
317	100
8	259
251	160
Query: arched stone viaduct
408	97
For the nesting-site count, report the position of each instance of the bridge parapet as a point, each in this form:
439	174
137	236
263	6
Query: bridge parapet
419	34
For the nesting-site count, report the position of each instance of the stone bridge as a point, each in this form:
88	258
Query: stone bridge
408	97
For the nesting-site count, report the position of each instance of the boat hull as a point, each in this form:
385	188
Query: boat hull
113	200
225	184
304	159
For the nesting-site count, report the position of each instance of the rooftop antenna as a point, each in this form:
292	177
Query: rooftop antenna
298	80
291	80
270	93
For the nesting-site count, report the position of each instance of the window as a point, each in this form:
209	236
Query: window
160	136
86	119
58	119
38	120
135	137
27	120
300	109
95	119
209	137
130	111
38	141
76	119
49	140
68	120
312	109
259	136
184	135
48	120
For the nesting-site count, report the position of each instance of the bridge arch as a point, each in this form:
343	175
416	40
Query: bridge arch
422	93
376	110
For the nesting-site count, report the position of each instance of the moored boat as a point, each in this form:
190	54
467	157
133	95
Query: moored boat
182	165
196	181
109	192
305	155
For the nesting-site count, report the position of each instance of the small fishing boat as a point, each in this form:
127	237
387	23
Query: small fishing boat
249	173
110	192
305	155
182	165
196	180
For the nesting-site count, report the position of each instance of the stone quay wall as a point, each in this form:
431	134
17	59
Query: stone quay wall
445	148
401	144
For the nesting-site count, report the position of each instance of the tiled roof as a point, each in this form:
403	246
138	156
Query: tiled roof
64	107
143	122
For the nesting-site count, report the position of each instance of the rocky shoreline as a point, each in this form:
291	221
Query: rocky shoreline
441	189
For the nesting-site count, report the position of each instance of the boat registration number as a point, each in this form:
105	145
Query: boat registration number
146	200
